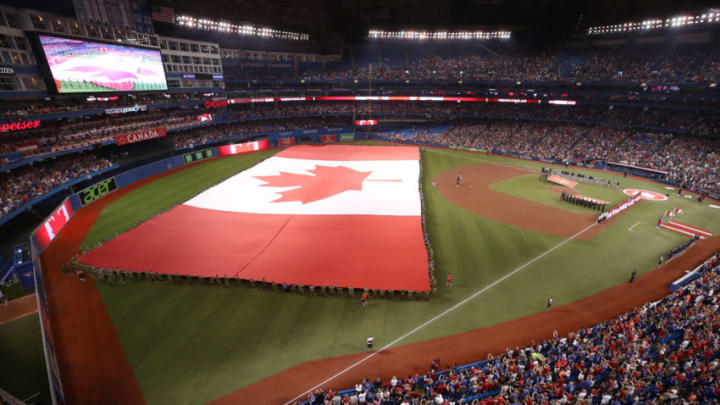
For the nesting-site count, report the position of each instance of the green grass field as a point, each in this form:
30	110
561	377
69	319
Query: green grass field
190	344
22	360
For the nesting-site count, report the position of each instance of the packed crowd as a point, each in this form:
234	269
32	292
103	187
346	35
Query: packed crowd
693	162
685	65
209	134
662	352
71	133
67	103
24	184
542	67
61	136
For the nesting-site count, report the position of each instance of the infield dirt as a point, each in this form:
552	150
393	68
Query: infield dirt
475	194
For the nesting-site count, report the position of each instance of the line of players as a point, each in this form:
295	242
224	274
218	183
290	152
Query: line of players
572	199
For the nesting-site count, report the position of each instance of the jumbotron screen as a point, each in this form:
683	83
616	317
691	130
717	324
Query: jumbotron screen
79	66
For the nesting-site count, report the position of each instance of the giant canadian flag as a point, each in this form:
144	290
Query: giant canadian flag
336	215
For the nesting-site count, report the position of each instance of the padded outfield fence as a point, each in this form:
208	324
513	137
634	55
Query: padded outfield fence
43	235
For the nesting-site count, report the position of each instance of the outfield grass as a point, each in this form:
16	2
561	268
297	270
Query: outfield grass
531	187
22	360
189	344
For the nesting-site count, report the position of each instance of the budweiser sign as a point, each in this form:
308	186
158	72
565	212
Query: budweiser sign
19	125
140	136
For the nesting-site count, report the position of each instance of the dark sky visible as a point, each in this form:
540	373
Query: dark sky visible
60	7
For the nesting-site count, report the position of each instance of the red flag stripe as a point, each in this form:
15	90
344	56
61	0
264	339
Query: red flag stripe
692	228
680	230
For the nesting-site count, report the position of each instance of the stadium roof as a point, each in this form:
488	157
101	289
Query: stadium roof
351	19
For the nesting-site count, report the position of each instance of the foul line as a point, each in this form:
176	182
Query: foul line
440	315
638	222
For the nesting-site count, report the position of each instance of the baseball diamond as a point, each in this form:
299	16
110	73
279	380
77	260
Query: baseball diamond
312	203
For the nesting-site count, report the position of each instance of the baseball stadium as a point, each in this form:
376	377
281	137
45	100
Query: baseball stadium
393	203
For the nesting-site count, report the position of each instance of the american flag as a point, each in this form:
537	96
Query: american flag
163	14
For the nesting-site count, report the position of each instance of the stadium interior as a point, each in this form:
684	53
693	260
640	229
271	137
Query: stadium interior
102	98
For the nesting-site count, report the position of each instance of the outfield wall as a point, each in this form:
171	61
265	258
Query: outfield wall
51	226
46	233
57	394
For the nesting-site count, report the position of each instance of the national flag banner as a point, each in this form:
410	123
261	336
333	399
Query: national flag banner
562	181
53	224
333	215
139	136
163	14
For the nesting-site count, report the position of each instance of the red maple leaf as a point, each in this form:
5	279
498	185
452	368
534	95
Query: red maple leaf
326	182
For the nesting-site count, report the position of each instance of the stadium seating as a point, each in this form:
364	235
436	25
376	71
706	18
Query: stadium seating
663	352
545	133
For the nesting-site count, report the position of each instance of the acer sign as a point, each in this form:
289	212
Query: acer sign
53	224
246	147
361	123
19	125
140	136
215	103
97	190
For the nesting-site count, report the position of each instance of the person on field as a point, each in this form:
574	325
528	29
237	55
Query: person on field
3	297
458	180
633	275
449	280
549	303
370	342
363	299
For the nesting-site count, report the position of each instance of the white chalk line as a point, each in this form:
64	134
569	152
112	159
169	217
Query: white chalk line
440	315
636	223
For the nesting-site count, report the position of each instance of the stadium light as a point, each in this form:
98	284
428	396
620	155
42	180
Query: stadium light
709	17
438	35
244	29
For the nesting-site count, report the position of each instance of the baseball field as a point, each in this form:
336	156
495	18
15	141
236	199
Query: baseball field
503	233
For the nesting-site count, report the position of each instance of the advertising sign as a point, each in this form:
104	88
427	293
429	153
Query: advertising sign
97	190
246	147
198	155
285	142
328	138
18	125
123	110
365	122
140	136
53	224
